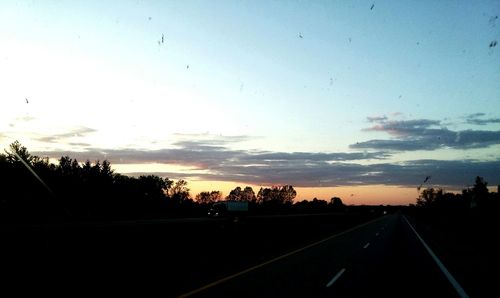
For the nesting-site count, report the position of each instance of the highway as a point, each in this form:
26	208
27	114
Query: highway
383	258
270	256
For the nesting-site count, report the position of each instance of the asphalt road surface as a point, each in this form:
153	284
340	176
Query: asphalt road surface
383	258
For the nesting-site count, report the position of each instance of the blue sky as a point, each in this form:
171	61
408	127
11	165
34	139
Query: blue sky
235	81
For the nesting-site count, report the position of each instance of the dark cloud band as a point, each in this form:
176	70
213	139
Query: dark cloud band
300	169
424	134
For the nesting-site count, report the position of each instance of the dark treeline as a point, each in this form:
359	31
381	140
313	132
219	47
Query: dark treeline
33	189
447	217
476	199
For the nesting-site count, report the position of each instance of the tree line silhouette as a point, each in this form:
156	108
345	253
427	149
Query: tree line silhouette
477	198
34	189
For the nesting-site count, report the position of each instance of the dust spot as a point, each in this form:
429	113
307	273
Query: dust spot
492	21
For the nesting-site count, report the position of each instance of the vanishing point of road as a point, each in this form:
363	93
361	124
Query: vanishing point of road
382	258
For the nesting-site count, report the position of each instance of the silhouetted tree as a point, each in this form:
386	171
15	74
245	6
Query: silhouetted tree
318	205
287	194
480	191
336	204
237	194
179	191
248	195
206	197
25	185
279	195
427	197
264	195
153	187
17	150
87	190
480	187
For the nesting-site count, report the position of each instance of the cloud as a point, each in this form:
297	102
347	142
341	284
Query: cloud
483	121
56	138
210	154
79	144
214	160
377	118
211	138
447	174
403	127
313	157
20	119
475	119
425	134
219	162
397	145
475	115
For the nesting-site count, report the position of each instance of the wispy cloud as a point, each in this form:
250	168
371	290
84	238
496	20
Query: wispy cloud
477	119
475	115
20	120
425	134
56	138
403	127
76	144
211	138
376	118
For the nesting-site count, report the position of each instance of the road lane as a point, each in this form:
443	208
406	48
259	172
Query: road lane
251	270
447	274
396	265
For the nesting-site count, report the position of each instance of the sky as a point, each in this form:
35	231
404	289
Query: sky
360	99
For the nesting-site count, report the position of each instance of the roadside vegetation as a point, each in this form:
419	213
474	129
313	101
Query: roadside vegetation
459	228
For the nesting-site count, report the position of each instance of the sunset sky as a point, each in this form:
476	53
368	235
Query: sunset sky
332	97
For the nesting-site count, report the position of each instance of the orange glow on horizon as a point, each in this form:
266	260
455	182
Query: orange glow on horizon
361	195
350	195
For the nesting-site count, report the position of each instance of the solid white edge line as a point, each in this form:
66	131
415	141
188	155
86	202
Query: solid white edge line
334	279
366	245
441	266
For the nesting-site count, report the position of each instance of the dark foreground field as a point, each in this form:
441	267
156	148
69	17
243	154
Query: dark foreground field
168	257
